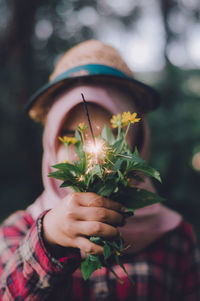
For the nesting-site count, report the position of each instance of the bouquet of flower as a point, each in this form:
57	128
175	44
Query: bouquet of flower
107	167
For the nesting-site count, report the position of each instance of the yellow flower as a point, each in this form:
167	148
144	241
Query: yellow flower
128	117
124	119
68	140
82	126
116	120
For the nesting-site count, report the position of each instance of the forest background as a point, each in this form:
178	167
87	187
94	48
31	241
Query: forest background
158	39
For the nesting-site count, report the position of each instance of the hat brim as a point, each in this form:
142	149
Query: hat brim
145	97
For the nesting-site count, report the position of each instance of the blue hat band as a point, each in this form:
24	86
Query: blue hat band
91	69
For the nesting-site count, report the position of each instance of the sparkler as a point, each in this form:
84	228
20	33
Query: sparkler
88	117
97	148
96	154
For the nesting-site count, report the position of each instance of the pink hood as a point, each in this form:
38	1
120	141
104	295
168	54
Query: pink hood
149	223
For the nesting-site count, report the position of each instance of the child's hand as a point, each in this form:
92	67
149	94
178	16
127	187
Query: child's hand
80	215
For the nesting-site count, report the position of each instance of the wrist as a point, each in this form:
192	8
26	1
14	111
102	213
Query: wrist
51	246
46	232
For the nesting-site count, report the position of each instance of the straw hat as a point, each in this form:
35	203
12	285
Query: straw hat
92	61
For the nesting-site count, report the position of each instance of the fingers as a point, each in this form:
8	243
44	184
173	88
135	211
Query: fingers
87	246
88	214
89	199
94	228
103	215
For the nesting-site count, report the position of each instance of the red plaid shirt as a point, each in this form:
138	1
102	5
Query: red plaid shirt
168	269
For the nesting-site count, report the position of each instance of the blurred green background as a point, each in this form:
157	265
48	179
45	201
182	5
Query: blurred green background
158	39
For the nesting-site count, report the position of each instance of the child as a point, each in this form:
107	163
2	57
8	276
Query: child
42	246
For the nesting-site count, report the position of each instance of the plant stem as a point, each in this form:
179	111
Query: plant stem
119	131
110	161
116	276
67	149
83	138
124	156
124	139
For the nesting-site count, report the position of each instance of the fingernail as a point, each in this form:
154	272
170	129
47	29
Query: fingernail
127	214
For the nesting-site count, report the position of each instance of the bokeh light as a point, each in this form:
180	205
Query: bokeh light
43	29
196	161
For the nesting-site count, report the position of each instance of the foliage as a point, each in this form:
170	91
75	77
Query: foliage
107	167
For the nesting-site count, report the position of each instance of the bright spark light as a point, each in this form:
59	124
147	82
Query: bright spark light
98	149
107	171
96	152
81	178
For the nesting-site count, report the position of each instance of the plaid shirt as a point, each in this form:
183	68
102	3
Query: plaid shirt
168	269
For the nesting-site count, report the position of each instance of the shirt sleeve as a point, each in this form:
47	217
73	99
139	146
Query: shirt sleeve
28	271
190	267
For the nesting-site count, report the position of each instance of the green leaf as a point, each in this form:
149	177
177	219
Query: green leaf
77	189
64	175
94	184
135	198
135	163
94	257
118	164
117	145
79	150
126	148
116	244
81	165
97	240
57	175
133	174
67	167
119	244
136	152
66	184
107	135
107	189
74	186
147	170
90	265
97	171
134	158
117	258
106	251
59	166
122	178
131	210
77	135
